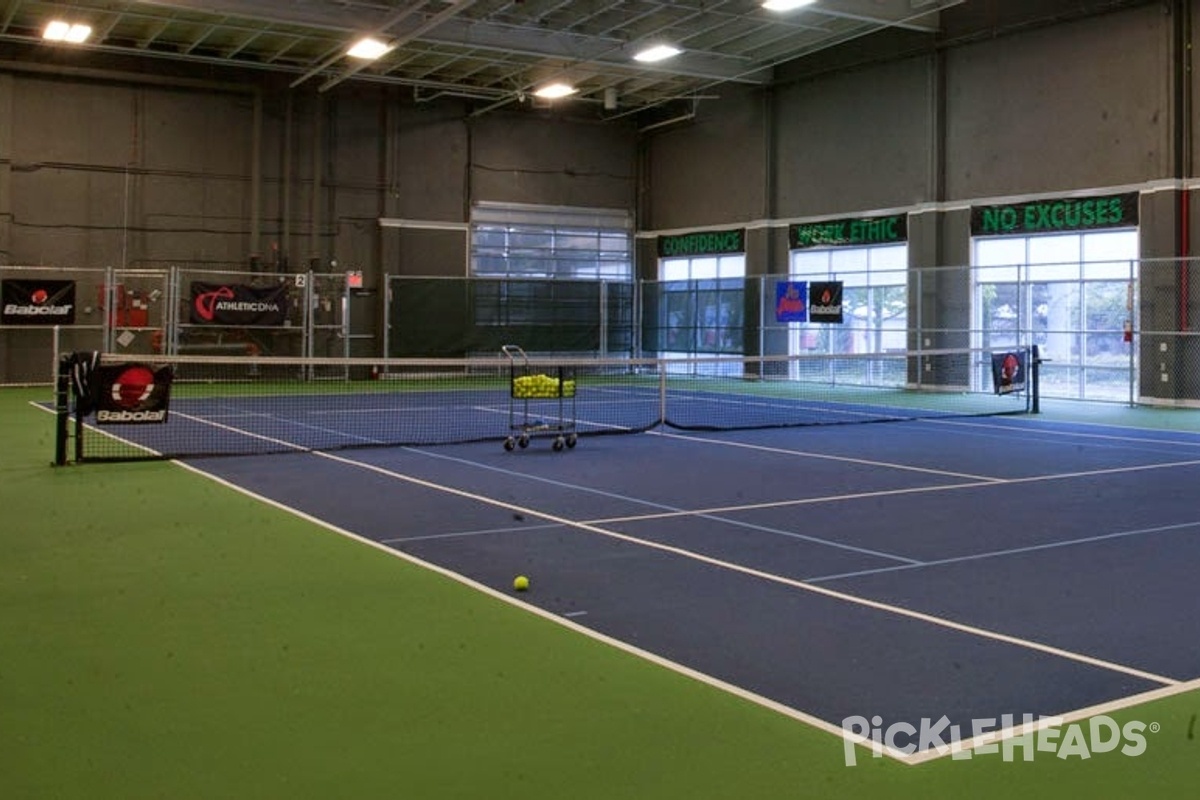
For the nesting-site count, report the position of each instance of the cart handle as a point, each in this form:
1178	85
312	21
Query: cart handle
514	352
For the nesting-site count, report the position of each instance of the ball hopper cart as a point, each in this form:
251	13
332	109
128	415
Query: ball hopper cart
541	402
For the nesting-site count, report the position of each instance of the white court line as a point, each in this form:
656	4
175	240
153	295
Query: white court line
1173	689
243	432
562	620
1041	428
667	510
767	576
201	421
1063	720
1045	437
706	512
988	483
1010	552
468	534
828	457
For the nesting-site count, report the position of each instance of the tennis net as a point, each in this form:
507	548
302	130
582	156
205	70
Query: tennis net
114	407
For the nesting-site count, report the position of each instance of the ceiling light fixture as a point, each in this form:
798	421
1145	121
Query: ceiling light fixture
368	49
59	31
658	52
554	91
786	5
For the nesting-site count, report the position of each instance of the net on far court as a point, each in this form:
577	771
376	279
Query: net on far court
117	408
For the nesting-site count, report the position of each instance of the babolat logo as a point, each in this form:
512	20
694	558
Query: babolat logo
133	393
38	303
38	311
825	301
131	416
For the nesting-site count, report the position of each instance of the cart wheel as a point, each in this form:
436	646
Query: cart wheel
572	440
523	441
510	443
558	443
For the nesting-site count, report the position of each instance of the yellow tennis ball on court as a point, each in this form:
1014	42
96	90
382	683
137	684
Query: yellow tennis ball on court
520	583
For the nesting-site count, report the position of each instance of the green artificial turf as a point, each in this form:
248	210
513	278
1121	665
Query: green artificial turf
162	635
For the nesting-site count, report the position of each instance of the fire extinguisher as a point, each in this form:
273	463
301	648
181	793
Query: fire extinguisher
1128	331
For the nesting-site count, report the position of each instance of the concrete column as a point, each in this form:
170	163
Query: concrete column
6	155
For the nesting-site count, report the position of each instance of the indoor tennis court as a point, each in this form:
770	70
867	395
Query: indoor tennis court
748	399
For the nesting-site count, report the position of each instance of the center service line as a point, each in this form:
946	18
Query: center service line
767	576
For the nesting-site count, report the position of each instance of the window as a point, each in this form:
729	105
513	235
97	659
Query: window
701	306
553	279
520	241
1067	293
874	299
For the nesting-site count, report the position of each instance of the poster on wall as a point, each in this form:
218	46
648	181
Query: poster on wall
825	302
238	304
33	302
791	304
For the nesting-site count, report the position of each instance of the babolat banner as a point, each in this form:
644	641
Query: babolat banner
708	243
825	301
27	302
238	304
1008	372
851	232
130	393
1049	216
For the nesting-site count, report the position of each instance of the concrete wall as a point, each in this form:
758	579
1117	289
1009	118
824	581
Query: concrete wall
712	169
110	168
854	140
1079	105
1075	106
1014	100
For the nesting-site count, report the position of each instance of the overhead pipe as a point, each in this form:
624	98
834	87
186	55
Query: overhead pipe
256	174
318	146
687	116
280	256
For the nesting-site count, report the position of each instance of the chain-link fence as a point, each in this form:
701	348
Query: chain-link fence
1115	331
170	311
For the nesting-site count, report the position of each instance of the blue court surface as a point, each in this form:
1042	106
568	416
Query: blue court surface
958	568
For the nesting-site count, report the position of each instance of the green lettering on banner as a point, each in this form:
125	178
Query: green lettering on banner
699	244
1065	214
849	232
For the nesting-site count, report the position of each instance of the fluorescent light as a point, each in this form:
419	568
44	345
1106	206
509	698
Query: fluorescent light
59	31
786	5
79	34
368	49
56	31
555	90
656	52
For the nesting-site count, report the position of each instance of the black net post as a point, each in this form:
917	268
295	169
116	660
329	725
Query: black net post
1035	361
62	410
